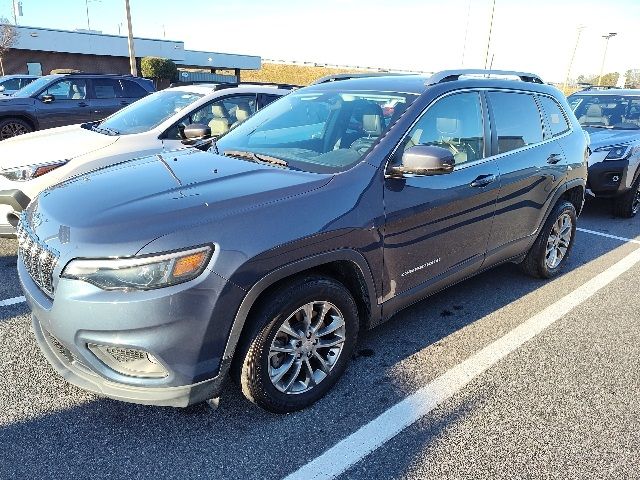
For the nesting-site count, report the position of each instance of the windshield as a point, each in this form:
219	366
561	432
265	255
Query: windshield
324	132
619	112
34	86
148	112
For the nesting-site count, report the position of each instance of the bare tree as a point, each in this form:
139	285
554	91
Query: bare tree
8	37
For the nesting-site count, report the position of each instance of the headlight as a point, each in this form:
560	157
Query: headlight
142	273
22	174
616	152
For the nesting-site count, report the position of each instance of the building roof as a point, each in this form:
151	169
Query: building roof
94	43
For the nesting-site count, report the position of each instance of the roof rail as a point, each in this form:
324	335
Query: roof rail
221	86
346	76
98	73
451	75
599	87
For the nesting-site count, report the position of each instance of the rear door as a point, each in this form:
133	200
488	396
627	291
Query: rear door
108	97
531	164
131	92
69	104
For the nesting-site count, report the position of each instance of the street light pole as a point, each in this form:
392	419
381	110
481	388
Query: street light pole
132	53
604	56
573	56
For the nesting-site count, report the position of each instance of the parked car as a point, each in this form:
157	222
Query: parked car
152	280
612	119
29	164
65	99
10	84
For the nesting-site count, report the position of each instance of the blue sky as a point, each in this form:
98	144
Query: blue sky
535	35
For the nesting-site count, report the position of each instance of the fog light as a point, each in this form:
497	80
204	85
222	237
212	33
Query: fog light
129	361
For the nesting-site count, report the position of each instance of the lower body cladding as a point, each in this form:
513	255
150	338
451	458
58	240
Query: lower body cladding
155	347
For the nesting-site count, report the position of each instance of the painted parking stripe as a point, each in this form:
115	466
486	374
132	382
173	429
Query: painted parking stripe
374	434
12	301
606	235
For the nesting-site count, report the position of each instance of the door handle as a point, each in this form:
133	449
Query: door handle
124	103
483	180
554	158
82	104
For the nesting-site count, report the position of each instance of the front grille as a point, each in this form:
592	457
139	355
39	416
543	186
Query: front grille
125	355
39	260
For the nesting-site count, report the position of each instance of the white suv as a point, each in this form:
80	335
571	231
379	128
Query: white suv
32	162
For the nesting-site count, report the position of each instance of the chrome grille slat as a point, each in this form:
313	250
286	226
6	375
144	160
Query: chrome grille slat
39	260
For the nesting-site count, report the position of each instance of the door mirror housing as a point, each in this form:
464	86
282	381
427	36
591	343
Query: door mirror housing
423	160
2	89
47	98
195	132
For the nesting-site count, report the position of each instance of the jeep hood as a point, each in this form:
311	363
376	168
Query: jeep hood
44	146
117	210
603	137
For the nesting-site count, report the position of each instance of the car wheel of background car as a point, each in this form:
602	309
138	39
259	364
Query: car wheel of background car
12	127
553	245
301	342
628	205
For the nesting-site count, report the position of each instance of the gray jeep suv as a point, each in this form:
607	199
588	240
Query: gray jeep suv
323	214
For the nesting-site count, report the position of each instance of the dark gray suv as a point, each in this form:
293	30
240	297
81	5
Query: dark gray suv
65	99
323	214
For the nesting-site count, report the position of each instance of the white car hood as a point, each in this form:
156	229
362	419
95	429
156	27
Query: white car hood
63	143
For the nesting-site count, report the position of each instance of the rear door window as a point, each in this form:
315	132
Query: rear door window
517	120
556	119
132	89
107	88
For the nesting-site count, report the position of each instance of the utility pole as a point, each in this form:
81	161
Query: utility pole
132	53
466	32
486	57
573	56
604	56
86	4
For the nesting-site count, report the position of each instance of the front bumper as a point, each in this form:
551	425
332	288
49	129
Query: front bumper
174	324
609	178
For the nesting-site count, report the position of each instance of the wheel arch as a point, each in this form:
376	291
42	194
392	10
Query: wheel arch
21	116
347	266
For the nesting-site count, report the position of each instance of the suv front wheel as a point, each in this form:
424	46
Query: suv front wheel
553	245
628	204
302	340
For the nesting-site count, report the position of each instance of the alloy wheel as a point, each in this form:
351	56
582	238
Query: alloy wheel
12	129
635	206
559	240
306	347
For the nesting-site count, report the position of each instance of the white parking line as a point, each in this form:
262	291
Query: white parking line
374	434
600	234
12	301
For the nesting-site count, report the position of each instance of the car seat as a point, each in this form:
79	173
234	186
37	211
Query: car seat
594	117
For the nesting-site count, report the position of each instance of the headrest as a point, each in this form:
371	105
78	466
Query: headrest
372	124
594	110
219	126
372	119
218	111
448	126
243	112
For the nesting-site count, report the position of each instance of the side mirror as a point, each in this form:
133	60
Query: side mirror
2	89
422	160
194	132
47	98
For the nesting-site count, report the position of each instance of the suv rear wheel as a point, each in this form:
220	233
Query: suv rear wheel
628	205
12	127
553	245
301	344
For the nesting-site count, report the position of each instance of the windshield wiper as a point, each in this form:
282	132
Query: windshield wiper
255	157
104	130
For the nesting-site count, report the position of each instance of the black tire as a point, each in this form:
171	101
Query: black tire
252	361
536	262
11	127
628	205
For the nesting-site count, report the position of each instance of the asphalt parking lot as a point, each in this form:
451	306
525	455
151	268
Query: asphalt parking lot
561	403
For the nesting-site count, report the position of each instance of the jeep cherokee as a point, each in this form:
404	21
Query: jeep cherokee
324	214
